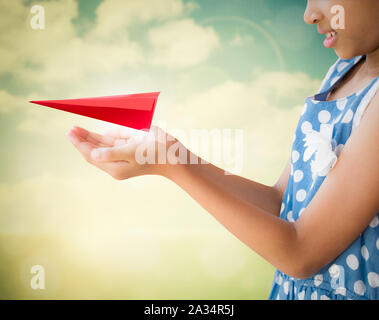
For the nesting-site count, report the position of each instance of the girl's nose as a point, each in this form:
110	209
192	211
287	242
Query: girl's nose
312	13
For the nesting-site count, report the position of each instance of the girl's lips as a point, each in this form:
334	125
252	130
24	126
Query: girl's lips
330	40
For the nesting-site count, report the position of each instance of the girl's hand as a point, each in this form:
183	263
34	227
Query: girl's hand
120	151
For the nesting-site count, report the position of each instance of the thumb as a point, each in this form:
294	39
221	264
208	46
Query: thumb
117	153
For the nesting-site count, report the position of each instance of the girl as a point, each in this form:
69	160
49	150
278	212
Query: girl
319	224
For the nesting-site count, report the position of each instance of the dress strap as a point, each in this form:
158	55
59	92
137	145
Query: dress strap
364	103
328	75
335	74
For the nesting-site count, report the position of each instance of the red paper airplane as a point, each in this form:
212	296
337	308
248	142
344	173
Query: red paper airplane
130	110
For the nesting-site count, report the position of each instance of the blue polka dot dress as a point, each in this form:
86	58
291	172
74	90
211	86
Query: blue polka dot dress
322	131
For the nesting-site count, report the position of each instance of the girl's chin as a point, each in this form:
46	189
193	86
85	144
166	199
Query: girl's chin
344	54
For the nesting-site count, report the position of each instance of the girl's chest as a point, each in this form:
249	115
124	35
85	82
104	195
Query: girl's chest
322	131
326	118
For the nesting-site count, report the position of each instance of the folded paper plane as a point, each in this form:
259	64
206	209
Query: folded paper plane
130	110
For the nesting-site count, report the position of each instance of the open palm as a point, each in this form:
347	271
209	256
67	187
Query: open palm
114	151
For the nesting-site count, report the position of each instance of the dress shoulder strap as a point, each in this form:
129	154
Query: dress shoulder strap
337	71
328	75
364	103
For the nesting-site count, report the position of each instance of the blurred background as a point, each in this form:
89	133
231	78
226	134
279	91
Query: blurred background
242	64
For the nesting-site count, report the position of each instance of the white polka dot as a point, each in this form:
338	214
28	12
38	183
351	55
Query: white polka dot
290	217
373	279
318	279
282	207
314	295
288	197
341	104
279	279
306	126
301	211
334	271
377	243
340	290
291	169
324	116
301	295
324	297
374	222
338	149
359	287
277	297
342	66
365	253
308	153
352	261
300	195
334	80
295	156
298	175
348	116
286	287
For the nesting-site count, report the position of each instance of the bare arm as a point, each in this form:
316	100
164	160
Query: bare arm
342	208
268	198
267	234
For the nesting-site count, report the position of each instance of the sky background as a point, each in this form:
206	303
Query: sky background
242	64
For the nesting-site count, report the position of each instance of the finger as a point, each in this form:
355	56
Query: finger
120	142
122	132
83	135
95	138
118	153
83	146
116	169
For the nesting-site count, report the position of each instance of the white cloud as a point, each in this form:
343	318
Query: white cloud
114	16
182	43
25	49
91	200
261	108
234	103
58	56
286	85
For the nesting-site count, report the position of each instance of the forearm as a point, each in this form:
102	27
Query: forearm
263	196
268	235
260	195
